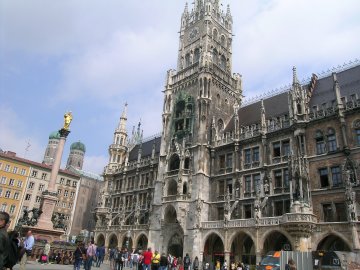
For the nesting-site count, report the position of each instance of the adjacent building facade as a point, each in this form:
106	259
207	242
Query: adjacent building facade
231	180
13	179
23	182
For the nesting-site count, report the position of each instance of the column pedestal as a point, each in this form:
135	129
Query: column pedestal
48	205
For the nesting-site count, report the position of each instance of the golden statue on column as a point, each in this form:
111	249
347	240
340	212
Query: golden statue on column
67	120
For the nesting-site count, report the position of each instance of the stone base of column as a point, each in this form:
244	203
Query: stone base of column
48	205
49	235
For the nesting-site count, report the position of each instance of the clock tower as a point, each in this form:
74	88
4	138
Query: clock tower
200	99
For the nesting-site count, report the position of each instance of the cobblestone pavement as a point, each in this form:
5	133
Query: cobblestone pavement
36	266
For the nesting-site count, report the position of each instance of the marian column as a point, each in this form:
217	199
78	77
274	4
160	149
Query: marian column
50	195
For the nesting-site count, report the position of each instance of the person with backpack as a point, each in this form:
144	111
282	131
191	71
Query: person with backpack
187	262
155	261
4	239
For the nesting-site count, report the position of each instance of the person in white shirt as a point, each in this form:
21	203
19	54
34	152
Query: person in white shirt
27	247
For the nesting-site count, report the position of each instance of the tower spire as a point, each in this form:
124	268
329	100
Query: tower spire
295	79
123	119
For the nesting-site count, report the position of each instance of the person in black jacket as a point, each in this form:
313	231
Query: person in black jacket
4	238
163	262
79	256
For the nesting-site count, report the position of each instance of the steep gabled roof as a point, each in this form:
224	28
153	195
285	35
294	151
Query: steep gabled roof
251	114
146	149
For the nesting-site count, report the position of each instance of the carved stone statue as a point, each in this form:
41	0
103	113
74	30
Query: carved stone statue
67	120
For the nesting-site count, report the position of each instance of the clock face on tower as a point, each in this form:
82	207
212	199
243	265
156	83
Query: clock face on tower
193	33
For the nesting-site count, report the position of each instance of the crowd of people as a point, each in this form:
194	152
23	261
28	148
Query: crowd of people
13	250
148	260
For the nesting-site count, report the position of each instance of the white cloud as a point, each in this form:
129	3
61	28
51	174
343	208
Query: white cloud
309	34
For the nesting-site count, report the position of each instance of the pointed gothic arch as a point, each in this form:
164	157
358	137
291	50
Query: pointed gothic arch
175	245
275	241
213	248
113	241
333	242
174	163
100	240
141	242
243	248
170	215
172	187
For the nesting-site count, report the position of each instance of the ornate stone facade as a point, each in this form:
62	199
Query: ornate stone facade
230	180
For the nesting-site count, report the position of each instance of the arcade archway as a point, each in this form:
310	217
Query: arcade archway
100	240
174	233
142	243
175	245
113	241
243	249
276	241
213	249
333	243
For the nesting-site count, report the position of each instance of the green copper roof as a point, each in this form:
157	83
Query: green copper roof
78	146
54	135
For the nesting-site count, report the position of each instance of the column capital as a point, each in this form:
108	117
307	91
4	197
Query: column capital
64	133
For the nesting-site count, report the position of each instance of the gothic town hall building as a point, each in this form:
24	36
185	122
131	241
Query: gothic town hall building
231	180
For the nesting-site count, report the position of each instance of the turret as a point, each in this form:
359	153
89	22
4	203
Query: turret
76	156
118	148
51	148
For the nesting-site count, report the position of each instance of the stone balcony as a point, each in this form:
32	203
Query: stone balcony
138	227
286	219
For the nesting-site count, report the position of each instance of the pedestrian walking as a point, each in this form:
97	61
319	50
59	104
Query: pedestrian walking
163	262
79	255
187	262
90	255
196	263
147	259
155	262
4	238
27	249
100	256
174	263
47	251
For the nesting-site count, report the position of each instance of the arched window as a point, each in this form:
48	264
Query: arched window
196	55
357	132
215	56
320	143
218	100
222	41
187	163
187	60
174	163
220	125
331	140
215	34
172	188
185	189
223	62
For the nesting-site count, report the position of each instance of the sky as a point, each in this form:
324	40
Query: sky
90	57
